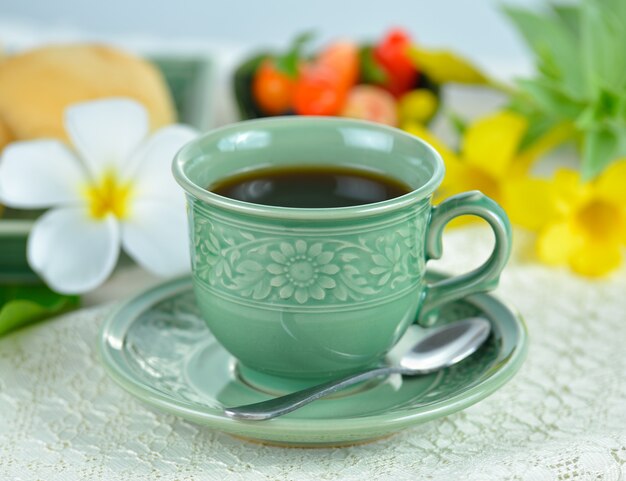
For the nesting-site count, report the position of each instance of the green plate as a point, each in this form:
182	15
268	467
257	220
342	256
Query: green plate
158	348
190	82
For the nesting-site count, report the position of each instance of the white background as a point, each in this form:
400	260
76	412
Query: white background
476	28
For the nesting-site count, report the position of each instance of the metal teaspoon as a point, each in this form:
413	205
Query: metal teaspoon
440	347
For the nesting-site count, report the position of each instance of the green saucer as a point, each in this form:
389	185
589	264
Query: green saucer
158	348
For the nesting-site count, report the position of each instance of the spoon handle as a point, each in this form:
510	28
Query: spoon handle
285	404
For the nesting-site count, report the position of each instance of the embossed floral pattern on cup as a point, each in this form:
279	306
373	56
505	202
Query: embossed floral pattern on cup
302	271
340	268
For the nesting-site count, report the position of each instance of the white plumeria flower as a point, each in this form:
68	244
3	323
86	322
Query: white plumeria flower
115	189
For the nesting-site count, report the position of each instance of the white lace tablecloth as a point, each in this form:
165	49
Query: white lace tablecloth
563	417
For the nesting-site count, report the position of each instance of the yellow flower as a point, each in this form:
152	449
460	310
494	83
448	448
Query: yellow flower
489	157
490	160
582	225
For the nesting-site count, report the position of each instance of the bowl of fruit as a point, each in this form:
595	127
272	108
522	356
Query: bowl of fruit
390	81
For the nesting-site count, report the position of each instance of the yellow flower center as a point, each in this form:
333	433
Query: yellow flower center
108	196
601	219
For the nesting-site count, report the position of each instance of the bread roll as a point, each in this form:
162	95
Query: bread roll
37	86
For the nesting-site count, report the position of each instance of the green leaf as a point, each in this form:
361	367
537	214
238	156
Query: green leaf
459	124
600	148
603	36
371	71
537	129
581	77
549	98
538	122
289	62
622	108
606	110
23	305
609	103
555	45
569	15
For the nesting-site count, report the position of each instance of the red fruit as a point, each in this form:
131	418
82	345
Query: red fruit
342	58
392	55
316	94
323	85
272	89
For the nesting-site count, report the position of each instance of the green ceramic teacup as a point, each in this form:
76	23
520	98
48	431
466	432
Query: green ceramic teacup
315	293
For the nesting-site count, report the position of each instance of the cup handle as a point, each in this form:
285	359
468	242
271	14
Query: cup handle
483	278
